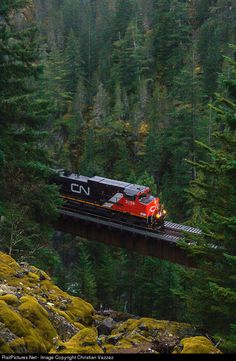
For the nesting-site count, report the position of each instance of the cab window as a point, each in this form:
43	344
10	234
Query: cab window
129	198
146	198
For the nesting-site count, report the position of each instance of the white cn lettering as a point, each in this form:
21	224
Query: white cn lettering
76	188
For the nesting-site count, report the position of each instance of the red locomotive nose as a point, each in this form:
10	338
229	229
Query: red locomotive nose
153	207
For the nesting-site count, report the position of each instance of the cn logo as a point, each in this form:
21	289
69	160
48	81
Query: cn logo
152	209
76	188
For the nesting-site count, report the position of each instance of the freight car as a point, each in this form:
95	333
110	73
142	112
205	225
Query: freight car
115	199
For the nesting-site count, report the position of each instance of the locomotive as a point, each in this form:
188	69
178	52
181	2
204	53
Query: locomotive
115	199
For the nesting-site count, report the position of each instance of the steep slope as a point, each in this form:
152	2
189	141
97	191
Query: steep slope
37	316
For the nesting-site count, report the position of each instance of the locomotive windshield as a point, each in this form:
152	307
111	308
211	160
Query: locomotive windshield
146	198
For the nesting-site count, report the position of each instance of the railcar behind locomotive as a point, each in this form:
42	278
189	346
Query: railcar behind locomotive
114	198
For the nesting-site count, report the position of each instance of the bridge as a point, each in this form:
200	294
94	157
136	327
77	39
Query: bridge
155	243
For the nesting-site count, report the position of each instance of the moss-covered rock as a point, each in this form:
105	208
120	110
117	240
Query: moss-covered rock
10	299
151	327
36	316
198	344
133	333
30	310
84	342
12	320
77	309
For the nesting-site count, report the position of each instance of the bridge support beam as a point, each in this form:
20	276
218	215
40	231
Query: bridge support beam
141	244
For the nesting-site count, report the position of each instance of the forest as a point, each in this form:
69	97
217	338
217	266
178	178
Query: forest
142	91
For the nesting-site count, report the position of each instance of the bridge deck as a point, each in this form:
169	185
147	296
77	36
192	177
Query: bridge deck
147	242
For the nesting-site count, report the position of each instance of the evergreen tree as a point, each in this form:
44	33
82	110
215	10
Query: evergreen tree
106	277
157	280
56	82
122	18
72	63
170	42
101	107
128	59
72	12
214	199
29	201
85	276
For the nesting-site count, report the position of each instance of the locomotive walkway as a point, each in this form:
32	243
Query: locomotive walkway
160	244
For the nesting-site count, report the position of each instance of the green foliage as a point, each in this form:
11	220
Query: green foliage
84	276
72	62
123	94
213	192
7	6
128	59
156	282
29	203
55	82
167	52
106	275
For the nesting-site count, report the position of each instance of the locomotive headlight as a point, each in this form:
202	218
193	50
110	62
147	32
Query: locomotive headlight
164	212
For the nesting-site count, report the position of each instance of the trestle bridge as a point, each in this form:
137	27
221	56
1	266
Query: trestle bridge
163	244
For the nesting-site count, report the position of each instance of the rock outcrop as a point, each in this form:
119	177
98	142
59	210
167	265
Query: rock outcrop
36	316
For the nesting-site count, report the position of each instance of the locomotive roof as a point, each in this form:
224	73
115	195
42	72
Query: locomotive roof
73	176
111	182
128	188
134	189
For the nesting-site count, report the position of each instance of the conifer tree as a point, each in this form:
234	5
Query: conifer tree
128	59
212	298
29	200
106	277
72	62
122	18
56	82
85	276
170	42
101	107
157	280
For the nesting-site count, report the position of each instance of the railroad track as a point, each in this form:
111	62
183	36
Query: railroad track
181	228
172	232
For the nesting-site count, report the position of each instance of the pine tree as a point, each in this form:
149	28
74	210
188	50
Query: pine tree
128	59
157	280
72	12
106	277
29	200
101	107
72	63
122	18
214	198
85	276
56	82
170	42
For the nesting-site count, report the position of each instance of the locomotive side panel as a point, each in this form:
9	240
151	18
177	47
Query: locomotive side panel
104	189
75	187
95	189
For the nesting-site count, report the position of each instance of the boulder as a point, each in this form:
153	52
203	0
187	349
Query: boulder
106	326
198	345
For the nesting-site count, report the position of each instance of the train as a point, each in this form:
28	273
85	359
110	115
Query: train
118	200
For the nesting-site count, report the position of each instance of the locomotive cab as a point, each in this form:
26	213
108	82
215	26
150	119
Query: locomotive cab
155	212
140	202
146	198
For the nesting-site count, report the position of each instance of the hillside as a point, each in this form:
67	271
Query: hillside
37	317
141	91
